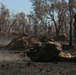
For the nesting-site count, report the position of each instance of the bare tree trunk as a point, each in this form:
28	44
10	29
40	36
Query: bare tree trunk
57	31
35	30
12	25
71	20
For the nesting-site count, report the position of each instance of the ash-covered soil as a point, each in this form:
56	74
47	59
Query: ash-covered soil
14	62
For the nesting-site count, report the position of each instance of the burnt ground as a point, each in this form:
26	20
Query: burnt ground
14	62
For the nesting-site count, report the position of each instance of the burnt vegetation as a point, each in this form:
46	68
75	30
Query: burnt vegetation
44	33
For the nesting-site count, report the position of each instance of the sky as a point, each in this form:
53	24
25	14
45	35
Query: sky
16	6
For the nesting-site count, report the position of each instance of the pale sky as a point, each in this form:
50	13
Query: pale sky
17	6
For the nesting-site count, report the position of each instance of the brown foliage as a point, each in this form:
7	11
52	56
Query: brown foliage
22	42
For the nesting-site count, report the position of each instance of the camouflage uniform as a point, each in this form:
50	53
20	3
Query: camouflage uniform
48	52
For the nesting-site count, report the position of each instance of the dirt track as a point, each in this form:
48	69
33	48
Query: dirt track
18	63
